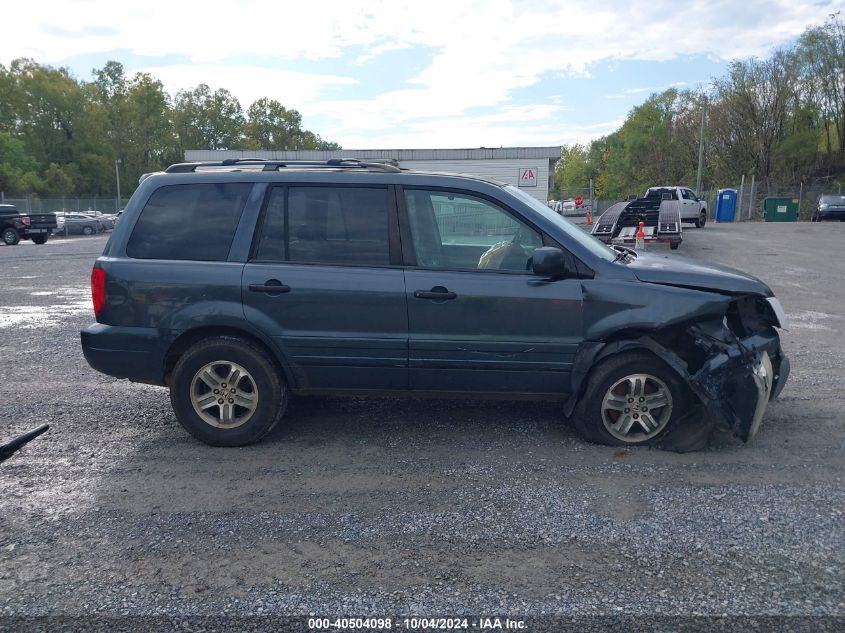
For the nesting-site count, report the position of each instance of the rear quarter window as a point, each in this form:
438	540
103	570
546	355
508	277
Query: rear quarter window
193	222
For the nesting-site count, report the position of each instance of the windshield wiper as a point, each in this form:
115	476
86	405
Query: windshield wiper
623	252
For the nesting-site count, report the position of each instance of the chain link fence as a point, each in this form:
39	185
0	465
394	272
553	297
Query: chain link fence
751	196
67	204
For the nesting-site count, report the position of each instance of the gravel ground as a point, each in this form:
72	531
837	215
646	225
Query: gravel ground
118	520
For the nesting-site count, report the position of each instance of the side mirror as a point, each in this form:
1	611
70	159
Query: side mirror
548	262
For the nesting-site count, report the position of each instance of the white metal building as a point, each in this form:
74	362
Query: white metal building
530	168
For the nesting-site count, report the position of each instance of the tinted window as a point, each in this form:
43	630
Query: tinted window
326	225
461	231
659	191
189	222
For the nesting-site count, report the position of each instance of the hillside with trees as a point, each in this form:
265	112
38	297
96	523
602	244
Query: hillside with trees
781	119
62	136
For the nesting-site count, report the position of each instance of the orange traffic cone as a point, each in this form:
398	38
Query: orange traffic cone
589	217
640	237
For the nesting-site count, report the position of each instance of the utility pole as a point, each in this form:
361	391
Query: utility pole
701	146
117	164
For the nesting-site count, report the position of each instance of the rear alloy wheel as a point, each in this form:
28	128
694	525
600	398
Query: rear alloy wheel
11	236
227	391
632	399
39	239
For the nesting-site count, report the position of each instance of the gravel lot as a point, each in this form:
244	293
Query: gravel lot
117	519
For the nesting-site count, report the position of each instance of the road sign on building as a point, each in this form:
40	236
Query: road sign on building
527	177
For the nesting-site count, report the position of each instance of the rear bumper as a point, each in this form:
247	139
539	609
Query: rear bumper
831	214
37	230
665	239
134	353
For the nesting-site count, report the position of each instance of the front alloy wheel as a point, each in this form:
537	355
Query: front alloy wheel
636	408
632	399
11	236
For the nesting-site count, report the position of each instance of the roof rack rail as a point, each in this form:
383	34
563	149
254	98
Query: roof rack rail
274	165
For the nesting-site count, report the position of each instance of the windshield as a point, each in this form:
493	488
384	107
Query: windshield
572	230
832	199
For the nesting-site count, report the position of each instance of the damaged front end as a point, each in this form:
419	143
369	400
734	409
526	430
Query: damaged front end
734	365
731	359
739	376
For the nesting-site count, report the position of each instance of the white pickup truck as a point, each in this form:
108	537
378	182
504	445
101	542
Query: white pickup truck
693	209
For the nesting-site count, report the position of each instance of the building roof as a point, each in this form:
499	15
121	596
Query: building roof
478	153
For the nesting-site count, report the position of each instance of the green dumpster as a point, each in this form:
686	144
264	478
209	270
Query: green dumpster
784	209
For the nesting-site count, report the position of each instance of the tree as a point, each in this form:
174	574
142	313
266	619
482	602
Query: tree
754	102
272	126
207	120
821	53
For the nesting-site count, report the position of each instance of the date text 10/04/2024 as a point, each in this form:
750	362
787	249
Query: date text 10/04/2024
381	624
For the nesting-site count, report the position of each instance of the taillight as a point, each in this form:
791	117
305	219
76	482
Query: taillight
98	289
25	220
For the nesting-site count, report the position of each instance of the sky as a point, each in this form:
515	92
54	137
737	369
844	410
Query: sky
422	74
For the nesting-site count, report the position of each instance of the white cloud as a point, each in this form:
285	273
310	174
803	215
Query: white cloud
481	52
249	83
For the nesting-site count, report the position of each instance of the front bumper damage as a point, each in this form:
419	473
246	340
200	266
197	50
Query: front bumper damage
734	384
733	378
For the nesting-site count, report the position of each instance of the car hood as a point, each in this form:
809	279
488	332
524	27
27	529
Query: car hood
692	273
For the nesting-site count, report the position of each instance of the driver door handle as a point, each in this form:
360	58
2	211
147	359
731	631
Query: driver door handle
270	287
438	293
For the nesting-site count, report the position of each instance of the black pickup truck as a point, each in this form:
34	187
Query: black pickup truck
16	226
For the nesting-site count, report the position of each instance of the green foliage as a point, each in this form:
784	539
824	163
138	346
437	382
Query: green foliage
781	119
60	136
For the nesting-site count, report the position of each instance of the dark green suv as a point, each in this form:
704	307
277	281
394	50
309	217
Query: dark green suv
238	283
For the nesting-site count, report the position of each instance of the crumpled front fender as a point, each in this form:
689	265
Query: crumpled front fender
734	383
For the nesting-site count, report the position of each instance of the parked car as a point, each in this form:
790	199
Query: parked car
238	283
830	207
16	225
82	224
569	207
693	209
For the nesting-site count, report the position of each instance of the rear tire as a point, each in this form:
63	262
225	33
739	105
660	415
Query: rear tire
39	239
257	392
11	236
612	399
674	245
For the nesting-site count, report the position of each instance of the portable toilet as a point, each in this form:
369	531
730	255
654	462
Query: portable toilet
781	209
725	205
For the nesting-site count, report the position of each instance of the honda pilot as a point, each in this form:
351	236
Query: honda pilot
239	283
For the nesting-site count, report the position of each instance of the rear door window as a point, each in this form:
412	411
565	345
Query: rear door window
326	225
193	222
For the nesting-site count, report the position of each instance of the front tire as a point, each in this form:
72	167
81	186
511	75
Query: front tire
227	391
632	399
39	239
87	230
11	236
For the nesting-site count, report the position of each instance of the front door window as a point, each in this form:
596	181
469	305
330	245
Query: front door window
463	232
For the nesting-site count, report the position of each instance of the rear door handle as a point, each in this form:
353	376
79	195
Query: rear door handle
270	287
438	293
